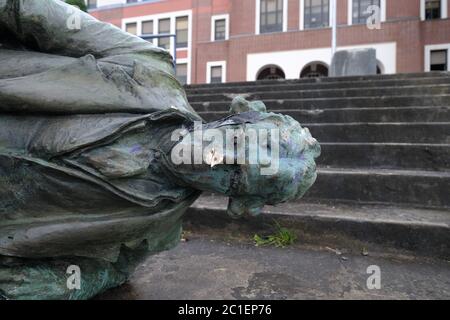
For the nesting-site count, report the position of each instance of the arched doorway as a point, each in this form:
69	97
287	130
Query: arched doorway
271	72
380	67
314	70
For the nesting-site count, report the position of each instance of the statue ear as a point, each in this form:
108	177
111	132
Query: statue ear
239	105
238	207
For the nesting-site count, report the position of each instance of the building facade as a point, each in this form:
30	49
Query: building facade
246	40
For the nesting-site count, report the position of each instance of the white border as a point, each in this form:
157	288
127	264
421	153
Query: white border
211	64
350	11
302	16
444	10
172	16
429	48
213	26
258	15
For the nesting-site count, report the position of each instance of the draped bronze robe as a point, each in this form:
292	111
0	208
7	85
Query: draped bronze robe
82	114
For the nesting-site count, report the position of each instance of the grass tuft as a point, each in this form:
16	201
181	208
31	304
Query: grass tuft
282	237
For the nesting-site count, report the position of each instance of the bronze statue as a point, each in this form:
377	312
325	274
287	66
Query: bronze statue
87	177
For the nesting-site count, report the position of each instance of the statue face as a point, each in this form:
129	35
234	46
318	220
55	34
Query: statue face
279	161
255	158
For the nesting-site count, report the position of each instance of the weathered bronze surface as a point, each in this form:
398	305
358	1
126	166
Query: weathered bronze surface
86	118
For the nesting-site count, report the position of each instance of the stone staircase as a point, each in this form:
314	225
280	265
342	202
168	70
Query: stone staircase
385	139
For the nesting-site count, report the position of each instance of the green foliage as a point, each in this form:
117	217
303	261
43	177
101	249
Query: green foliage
281	238
79	3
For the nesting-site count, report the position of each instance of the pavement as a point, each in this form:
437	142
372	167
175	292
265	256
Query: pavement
206	268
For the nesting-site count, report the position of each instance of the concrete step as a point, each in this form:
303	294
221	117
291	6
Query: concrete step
385	77
409	187
380	114
278	86
386	156
433	89
377	228
340	103
435	133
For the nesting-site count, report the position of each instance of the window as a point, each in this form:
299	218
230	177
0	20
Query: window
437	57
432	9
271	72
216	72
271	16
220	29
314	70
317	14
182	32
91	4
438	60
147	27
359	10
131	28
164	28
182	73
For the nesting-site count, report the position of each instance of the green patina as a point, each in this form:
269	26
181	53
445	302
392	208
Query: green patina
86	118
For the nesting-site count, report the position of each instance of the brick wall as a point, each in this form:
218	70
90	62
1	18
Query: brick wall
403	26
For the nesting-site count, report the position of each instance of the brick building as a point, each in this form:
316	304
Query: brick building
238	40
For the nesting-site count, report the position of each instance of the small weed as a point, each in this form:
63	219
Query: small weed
281	238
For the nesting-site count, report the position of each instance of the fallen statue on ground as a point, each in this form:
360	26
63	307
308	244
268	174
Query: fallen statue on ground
92	179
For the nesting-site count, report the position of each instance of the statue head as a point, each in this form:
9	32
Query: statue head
253	156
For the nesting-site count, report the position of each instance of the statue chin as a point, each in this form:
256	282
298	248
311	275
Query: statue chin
238	208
